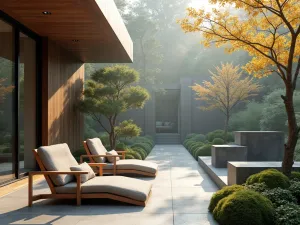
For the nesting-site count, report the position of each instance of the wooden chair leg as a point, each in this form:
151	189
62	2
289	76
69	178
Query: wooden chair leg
30	187
78	190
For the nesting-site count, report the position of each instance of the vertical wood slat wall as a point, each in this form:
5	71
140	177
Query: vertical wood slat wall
63	78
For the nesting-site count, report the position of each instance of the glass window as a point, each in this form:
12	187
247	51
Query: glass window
6	101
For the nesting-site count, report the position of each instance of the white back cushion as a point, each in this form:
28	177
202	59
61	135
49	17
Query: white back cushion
97	148
58	158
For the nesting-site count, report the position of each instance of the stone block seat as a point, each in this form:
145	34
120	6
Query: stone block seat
96	152
67	179
221	154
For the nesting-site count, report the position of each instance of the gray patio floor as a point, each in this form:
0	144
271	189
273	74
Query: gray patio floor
180	196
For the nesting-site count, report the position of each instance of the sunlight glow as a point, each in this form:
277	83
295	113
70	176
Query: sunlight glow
201	4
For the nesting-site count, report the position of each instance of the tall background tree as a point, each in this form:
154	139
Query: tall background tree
110	92
227	89
269	32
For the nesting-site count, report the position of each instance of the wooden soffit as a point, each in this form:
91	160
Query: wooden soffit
93	30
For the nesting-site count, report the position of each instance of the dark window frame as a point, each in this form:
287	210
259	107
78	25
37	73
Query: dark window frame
17	29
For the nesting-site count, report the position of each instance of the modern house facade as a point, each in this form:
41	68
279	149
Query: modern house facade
43	48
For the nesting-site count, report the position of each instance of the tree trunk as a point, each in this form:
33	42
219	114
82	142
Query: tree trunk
293	131
226	127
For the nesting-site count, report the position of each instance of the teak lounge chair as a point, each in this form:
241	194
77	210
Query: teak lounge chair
55	162
96	152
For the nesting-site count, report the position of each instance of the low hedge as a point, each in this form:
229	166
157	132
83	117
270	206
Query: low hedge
271	177
223	193
130	152
244	207
144	146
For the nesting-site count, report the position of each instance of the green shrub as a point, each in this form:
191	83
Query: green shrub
144	146
288	214
219	134
295	190
189	144
223	193
271	177
189	136
205	150
199	137
218	141
258	187
279	196
196	145
129	156
295	175
244	208
121	146
141	151
135	154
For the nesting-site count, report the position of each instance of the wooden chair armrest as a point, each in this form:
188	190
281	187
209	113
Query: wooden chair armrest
95	156
32	173
100	167
122	152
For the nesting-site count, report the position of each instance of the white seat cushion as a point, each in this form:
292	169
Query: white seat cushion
134	164
123	186
84	167
58	158
97	148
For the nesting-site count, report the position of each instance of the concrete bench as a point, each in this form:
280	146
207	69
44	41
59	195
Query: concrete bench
221	154
238	172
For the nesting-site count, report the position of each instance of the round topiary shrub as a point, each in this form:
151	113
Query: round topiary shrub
244	208
129	156
136	155
121	146
144	146
258	187
288	214
223	193
271	177
190	144
219	134
141	151
295	175
196	145
218	141
205	150
199	137
189	136
279	196
295	190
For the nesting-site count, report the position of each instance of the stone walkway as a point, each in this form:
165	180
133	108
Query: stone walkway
180	196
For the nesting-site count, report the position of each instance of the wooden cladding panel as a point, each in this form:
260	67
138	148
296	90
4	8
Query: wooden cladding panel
65	75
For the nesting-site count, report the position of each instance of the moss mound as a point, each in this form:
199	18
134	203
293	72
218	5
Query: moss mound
205	150
271	177
223	193
244	208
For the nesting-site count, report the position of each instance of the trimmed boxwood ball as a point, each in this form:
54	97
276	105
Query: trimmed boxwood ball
129	156
141	151
288	214
196	145
218	141
189	136
205	150
223	193
295	190
190	144
271	177
244	208
144	146
279	196
199	137
295	175
121	146
136	155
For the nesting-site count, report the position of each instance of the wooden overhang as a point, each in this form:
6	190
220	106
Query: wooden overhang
93	30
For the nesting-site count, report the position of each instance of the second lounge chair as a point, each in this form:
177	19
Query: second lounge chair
97	153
